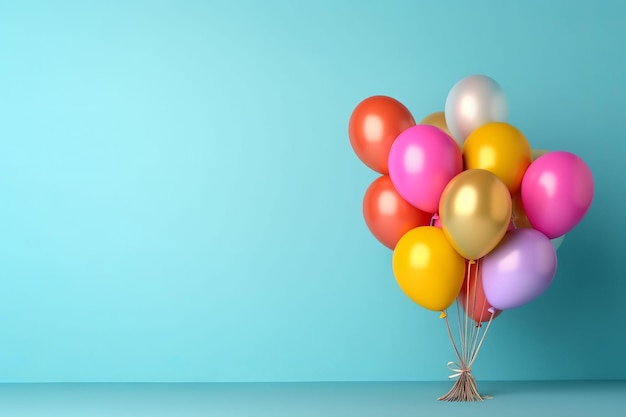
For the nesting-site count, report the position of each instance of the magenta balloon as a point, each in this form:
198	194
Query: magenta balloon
422	160
557	190
519	269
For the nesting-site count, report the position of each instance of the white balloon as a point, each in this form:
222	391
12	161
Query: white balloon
472	102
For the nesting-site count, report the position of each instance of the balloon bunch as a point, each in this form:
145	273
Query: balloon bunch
472	213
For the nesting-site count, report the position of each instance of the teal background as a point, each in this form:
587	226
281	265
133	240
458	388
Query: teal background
180	202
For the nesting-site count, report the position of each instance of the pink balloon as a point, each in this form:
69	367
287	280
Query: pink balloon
422	160
557	190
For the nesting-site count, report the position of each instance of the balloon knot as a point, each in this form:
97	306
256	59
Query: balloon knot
492	310
443	315
471	261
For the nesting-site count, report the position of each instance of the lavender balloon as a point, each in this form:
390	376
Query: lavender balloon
519	269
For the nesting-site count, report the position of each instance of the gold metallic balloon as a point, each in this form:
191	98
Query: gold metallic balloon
475	211
437	119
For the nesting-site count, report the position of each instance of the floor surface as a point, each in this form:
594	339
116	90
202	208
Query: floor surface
511	399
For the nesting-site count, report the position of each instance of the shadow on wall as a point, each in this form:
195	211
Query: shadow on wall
572	328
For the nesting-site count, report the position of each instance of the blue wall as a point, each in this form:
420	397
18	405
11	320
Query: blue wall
180	202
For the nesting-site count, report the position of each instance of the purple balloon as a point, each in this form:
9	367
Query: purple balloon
557	190
519	269
422	160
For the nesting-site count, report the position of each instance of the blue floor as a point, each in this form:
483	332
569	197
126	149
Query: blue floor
573	398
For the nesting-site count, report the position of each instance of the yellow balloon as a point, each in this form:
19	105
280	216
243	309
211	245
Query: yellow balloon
437	119
427	268
475	211
501	149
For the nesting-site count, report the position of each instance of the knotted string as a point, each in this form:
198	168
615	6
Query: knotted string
457	369
464	388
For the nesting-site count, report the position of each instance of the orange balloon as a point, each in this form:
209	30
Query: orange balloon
374	125
427	268
501	149
387	215
472	296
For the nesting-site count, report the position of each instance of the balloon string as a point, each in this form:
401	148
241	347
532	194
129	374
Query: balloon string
471	339
470	344
478	326
474	348
481	341
456	350
471	313
514	218
459	320
465	336
482	309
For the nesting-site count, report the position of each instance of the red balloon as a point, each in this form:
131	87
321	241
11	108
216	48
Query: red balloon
387	215
374	125
472	296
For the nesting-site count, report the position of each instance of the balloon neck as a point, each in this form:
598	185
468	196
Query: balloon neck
491	310
514	219
434	219
443	315
471	261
